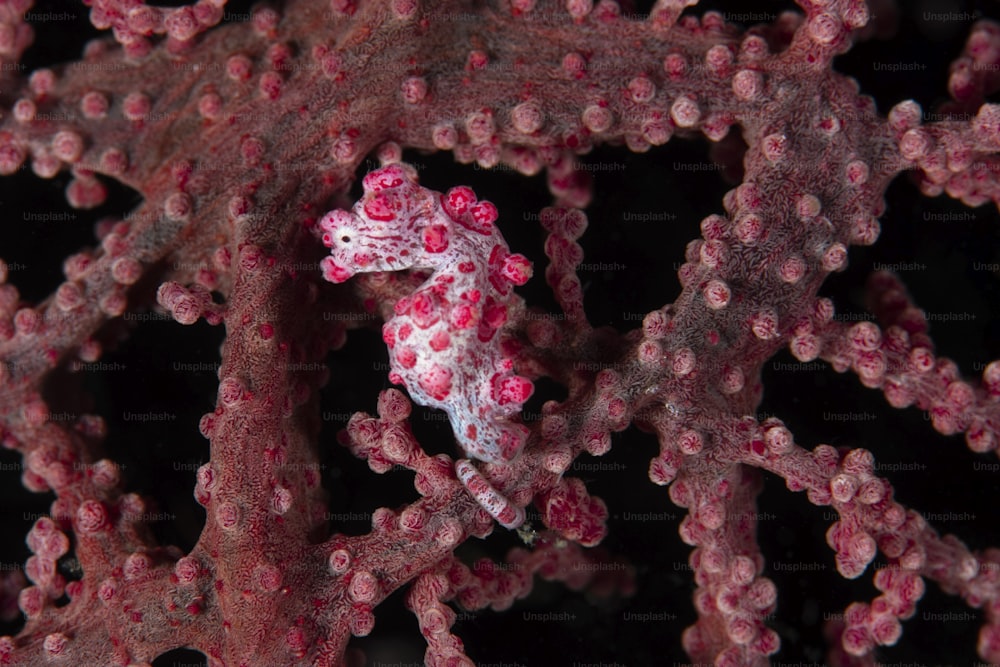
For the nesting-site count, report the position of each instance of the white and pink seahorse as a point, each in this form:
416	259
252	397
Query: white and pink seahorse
444	345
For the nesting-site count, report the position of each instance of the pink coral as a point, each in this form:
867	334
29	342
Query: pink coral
238	137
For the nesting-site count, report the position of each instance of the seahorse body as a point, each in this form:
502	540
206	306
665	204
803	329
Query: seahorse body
443	341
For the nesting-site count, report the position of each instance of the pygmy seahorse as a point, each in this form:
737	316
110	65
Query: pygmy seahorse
443	341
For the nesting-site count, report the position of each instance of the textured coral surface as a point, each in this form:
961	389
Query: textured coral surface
374	332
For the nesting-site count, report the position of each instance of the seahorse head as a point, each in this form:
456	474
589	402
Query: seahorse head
388	229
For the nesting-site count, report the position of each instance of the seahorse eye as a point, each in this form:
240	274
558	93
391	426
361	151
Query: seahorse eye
345	238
